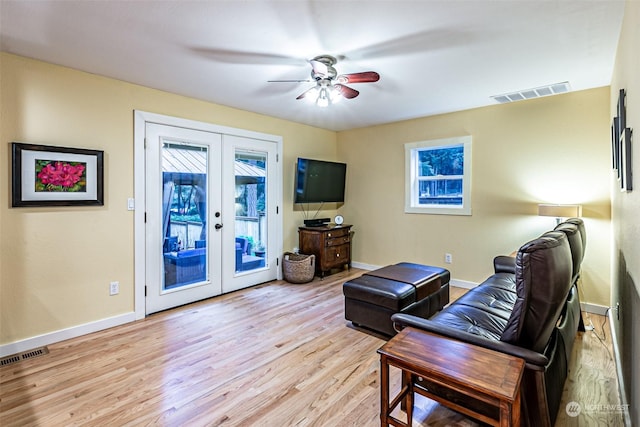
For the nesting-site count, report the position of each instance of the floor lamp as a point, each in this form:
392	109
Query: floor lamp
560	211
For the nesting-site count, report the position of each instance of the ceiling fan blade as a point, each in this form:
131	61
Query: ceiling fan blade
246	57
289	81
319	68
364	77
346	91
307	92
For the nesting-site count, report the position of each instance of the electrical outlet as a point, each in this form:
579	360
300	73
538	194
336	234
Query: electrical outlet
114	288
448	259
296	250
618	311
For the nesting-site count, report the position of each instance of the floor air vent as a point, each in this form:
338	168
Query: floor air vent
537	92
29	354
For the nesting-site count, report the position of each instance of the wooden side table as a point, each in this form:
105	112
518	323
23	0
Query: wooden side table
460	372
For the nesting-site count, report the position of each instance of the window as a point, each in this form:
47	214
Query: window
438	176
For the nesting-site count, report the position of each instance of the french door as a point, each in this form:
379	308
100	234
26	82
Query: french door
210	214
250	227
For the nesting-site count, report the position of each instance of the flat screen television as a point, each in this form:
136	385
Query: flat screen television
319	181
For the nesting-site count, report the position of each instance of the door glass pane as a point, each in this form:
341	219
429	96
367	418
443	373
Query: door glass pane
184	214
250	203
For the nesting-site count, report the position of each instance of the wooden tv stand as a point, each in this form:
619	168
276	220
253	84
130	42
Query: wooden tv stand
331	244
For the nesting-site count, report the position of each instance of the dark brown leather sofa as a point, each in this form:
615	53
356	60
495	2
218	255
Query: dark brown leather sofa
528	308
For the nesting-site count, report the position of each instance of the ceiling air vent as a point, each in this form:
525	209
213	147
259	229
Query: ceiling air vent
537	92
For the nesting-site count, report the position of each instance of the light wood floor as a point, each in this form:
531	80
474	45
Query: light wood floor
277	354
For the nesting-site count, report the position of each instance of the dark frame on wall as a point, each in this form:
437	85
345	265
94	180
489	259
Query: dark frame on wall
621	137
615	147
622	112
44	175
626	181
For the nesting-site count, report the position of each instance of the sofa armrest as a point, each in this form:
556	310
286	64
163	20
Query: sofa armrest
504	264
533	359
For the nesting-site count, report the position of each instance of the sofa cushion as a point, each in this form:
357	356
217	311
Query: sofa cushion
506	281
575	244
543	280
472	320
581	228
494	300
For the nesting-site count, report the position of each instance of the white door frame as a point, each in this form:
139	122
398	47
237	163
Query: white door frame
141	118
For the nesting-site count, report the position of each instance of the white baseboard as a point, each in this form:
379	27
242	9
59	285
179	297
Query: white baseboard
594	308
64	334
621	384
462	284
364	266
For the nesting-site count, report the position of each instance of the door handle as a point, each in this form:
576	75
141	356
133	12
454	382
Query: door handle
218	226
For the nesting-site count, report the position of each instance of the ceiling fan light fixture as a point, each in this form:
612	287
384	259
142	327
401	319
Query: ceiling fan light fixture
323	98
310	95
325	94
330	87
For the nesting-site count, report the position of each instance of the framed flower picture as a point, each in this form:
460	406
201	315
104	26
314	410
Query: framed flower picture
45	175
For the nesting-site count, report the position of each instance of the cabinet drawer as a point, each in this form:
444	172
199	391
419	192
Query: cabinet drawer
337	232
337	241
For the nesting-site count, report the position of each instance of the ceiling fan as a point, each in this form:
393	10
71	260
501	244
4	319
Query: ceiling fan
331	87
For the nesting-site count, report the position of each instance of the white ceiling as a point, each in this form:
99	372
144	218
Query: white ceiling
433	56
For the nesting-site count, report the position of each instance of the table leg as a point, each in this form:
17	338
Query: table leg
510	412
384	392
409	381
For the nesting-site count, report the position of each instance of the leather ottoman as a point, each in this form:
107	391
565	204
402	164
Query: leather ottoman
371	299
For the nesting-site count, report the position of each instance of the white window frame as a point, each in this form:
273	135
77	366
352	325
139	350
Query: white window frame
412	204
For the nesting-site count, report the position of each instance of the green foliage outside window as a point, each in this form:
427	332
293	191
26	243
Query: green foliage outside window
442	161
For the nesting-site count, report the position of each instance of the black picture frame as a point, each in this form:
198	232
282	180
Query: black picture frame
622	112
45	175
626	171
615	146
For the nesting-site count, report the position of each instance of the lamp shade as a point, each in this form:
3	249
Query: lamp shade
560	211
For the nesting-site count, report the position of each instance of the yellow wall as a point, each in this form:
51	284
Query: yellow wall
549	150
626	219
56	263
626	205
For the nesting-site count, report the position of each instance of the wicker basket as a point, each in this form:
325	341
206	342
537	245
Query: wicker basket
298	268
